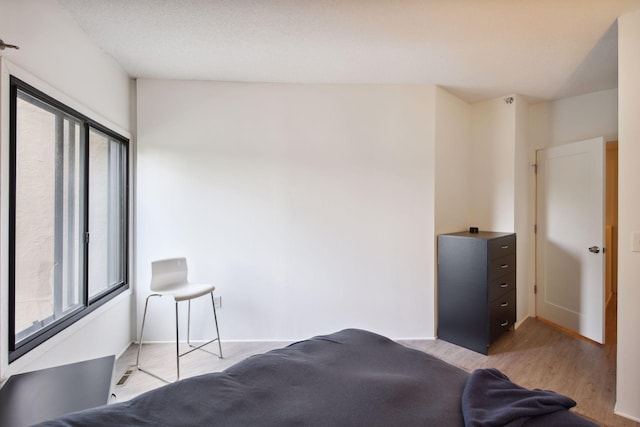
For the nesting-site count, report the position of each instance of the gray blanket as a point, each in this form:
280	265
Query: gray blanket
350	378
490	399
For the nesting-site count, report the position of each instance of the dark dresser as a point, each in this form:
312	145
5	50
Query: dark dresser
476	287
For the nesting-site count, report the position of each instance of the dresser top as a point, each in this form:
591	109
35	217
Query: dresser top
487	235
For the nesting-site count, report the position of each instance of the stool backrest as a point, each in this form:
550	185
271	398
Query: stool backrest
167	273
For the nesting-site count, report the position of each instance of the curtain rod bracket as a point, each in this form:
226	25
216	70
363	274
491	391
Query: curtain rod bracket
4	45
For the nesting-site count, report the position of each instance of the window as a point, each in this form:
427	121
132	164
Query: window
68	217
107	212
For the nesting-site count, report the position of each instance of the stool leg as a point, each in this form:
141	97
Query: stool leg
215	317
144	318
189	324
177	345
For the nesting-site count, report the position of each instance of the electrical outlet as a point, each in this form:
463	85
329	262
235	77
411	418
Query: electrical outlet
635	242
217	301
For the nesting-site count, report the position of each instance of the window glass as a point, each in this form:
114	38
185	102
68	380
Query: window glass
68	217
47	215
107	212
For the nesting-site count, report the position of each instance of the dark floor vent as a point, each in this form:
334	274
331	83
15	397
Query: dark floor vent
125	377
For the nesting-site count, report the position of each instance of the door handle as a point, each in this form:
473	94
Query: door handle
594	249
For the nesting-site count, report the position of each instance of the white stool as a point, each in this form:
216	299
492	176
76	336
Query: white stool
169	278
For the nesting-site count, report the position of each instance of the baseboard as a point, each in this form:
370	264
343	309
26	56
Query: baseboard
609	299
125	349
623	415
518	324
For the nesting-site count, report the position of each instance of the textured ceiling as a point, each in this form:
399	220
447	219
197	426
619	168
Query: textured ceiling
477	49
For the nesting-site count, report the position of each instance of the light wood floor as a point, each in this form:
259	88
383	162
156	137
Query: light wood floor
536	355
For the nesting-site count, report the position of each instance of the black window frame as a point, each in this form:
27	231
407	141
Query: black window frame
88	305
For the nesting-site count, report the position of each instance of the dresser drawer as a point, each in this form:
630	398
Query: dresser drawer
502	314
502	266
502	285
503	246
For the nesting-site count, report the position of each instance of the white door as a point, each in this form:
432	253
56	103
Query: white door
571	236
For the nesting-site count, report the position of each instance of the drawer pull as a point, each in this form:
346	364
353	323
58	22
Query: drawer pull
505	323
504	285
504	247
504	304
503	266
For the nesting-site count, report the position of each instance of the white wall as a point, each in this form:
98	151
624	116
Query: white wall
523	203
452	142
493	165
574	119
628	368
57	57
310	206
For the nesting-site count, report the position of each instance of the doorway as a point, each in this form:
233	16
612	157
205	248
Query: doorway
611	234
576	261
611	221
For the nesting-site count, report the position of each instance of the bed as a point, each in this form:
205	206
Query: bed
349	378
